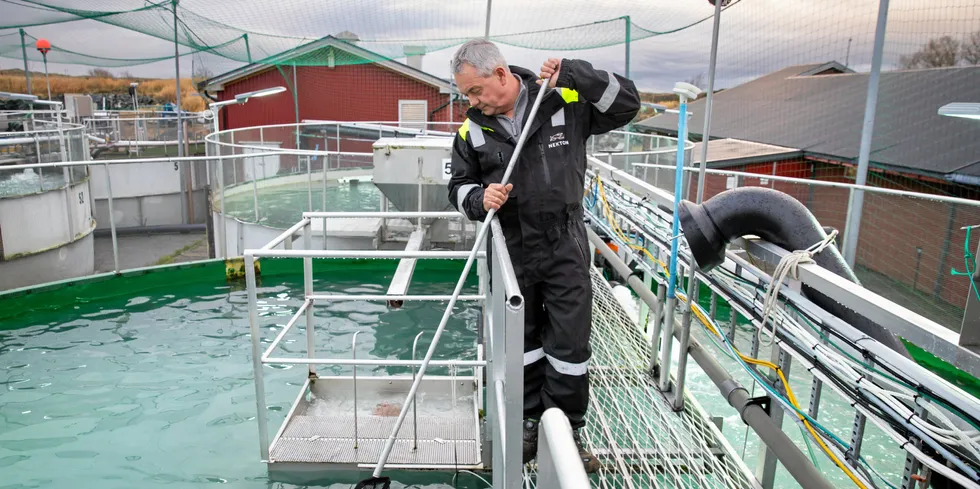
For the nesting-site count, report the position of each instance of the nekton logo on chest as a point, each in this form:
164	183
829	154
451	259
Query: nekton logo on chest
556	140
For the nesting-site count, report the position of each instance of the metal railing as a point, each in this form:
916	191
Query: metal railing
138	133
559	464
41	141
503	309
909	240
920	330
319	150
75	168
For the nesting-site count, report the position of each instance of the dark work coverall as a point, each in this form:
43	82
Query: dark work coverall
542	219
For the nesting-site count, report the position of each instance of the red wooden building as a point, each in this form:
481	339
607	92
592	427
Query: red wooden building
335	79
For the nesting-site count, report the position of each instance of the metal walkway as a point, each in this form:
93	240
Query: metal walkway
630	426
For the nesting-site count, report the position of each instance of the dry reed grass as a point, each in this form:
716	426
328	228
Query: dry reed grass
161	90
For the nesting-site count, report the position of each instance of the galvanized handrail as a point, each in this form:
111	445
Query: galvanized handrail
823	183
858	300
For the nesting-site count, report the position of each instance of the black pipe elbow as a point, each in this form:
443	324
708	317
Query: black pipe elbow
781	220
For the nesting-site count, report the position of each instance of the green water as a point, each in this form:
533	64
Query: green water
282	206
146	381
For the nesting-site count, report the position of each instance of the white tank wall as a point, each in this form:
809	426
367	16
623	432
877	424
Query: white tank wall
135	180
74	260
240	236
38	222
144	194
150	210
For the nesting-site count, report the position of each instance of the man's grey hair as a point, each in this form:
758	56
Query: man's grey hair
481	54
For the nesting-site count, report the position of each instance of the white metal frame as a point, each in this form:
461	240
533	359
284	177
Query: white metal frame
504	340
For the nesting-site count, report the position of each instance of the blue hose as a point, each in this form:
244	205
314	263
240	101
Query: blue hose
678	179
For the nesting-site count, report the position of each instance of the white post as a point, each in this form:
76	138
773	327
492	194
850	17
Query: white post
308	287
705	134
256	333
112	220
852	228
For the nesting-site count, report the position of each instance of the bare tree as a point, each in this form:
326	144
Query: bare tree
100	73
696	80
971	49
202	72
944	51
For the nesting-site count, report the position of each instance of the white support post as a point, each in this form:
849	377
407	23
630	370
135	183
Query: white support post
496	369
256	334
308	287
852	228
112	220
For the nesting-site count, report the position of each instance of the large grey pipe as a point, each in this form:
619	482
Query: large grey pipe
781	220
797	464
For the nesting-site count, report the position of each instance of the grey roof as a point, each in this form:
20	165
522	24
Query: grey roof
731	152
822	115
346	45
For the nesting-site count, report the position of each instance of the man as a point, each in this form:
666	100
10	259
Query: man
540	210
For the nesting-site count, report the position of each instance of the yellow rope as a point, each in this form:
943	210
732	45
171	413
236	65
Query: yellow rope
607	211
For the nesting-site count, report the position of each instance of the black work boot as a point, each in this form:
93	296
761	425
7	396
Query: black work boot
530	439
589	461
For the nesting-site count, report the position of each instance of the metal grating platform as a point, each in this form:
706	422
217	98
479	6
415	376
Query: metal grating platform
631	429
320	428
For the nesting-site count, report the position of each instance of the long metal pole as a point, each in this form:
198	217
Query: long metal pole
685	338
112	220
46	78
852	228
390	442
180	131
486	32
27	71
707	108
256	332
629	24
180	145
665	355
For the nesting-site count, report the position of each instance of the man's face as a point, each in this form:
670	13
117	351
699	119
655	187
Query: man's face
487	94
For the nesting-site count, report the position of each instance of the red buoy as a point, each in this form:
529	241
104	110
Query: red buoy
43	46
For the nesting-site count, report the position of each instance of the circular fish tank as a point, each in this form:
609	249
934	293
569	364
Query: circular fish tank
46	219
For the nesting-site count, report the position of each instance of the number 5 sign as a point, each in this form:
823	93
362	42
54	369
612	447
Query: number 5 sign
447	169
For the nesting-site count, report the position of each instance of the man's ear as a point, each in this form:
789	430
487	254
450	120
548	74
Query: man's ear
501	74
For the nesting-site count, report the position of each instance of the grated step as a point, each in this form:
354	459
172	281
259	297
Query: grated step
443	441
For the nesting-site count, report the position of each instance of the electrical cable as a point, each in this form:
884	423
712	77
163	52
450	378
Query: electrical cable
952	436
968	258
705	322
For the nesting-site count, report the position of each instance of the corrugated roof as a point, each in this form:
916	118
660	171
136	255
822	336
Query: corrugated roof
822	114
729	152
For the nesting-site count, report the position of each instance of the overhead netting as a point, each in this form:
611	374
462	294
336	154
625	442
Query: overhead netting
251	31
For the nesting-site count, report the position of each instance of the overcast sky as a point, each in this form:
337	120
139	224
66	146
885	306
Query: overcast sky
757	36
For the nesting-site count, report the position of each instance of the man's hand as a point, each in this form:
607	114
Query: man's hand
550	70
495	195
